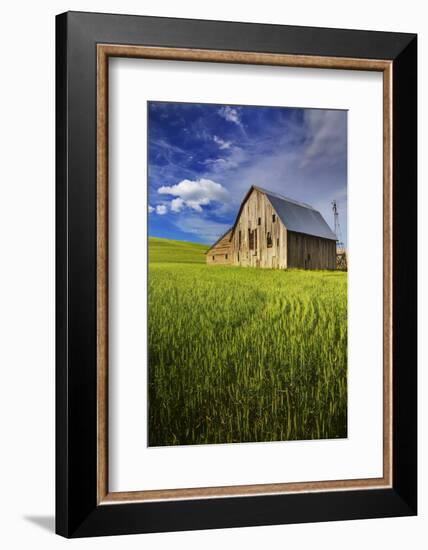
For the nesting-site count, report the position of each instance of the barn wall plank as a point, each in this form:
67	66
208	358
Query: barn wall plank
309	252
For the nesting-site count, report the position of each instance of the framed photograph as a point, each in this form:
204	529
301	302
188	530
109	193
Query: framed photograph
236	274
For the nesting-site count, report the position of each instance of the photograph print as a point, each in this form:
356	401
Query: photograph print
247	274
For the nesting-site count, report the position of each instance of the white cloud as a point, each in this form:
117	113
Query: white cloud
215	161
230	114
194	194
161	209
220	164
222	143
151	209
177	204
163	144
235	157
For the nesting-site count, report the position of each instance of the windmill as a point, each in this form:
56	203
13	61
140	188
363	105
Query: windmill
341	258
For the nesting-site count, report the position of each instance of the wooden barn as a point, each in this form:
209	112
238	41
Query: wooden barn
272	231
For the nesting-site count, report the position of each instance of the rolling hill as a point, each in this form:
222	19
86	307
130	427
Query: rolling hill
169	251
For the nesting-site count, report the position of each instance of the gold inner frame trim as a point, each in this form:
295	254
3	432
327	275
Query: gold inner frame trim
104	51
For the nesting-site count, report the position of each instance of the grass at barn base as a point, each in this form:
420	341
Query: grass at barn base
242	354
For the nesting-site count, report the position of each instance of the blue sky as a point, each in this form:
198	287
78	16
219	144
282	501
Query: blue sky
203	158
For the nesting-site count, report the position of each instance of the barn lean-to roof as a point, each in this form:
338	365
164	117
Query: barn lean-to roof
296	216
219	239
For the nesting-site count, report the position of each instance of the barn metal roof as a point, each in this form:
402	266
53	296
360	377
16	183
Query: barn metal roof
298	216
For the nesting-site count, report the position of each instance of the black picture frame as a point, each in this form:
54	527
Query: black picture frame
77	511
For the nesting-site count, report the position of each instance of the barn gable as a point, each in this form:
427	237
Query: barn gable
259	238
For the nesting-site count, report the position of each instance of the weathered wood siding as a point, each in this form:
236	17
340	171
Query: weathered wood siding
221	252
308	252
259	240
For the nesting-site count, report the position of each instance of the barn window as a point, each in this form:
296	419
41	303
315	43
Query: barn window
277	242
225	256
213	258
259	222
273	217
269	240
240	238
251	239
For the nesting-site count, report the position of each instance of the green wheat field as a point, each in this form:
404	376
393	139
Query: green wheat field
243	354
